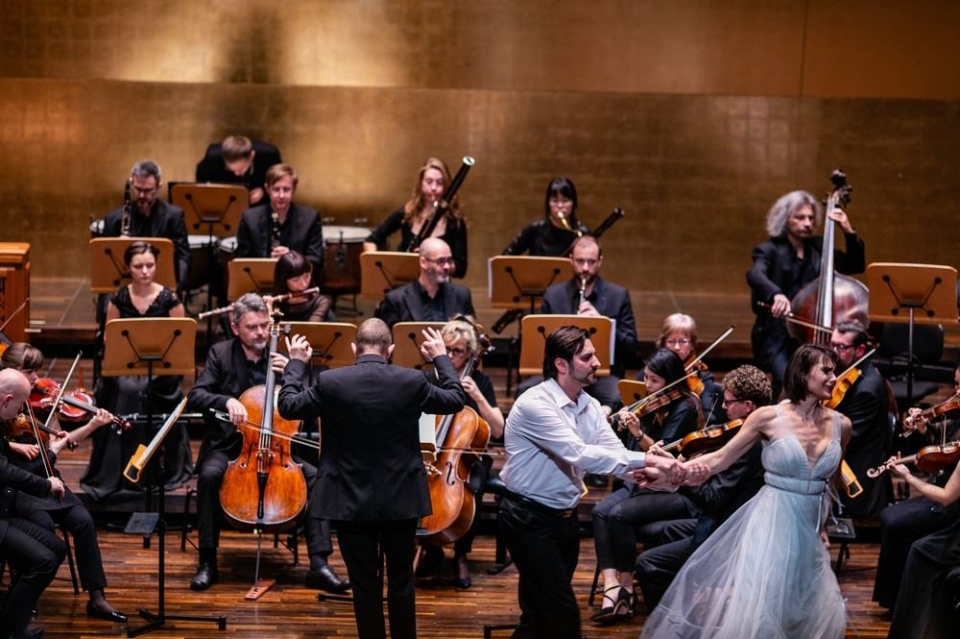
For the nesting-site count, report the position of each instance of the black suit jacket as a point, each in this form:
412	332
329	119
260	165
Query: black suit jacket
610	300
166	220
12	480
225	375
301	232
212	169
371	467
403	304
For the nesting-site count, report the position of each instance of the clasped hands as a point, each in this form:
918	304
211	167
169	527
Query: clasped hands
664	472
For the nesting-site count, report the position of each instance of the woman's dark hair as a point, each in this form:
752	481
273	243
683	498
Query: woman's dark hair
139	248
565	343
669	366
289	265
802	362
561	186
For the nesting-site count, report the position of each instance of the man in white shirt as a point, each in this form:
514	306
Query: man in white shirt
554	434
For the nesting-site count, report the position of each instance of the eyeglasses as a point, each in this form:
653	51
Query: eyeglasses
683	341
841	348
731	402
140	191
440	261
457	351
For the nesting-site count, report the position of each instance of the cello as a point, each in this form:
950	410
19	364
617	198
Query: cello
461	438
263	488
832	297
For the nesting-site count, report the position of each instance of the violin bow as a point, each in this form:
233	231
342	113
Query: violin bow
60	391
712	346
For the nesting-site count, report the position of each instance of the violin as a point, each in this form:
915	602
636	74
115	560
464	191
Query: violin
654	402
929	459
697	366
706	439
22	426
952	405
74	406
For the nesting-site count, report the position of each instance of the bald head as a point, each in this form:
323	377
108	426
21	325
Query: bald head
373	336
436	263
14	391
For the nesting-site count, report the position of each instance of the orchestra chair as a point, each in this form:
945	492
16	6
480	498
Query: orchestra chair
894	362
70	562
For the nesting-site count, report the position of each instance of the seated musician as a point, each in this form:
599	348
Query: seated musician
618	516
432	297
782	266
588	294
23	450
551	237
744	390
293	274
239	160
232	367
432	182
279	225
462	339
143	297
868	405
905	522
33	551
923	607
679	334
149	216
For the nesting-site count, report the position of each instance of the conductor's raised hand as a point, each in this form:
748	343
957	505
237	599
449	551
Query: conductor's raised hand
432	345
299	348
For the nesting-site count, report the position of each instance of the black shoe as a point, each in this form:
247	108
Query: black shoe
109	615
617	606
430	562
29	633
326	579
461	573
206	576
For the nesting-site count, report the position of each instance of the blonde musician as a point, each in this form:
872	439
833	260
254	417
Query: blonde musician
462	339
679	334
280	225
432	181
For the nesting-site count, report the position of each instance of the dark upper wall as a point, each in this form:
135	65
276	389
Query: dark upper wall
691	115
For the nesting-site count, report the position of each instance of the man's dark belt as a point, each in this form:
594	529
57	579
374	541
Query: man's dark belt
537	507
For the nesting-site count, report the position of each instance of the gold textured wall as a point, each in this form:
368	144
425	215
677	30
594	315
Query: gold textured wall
692	115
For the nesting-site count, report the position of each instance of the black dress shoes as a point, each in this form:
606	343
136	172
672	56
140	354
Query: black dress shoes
461	573
206	576
326	579
109	615
29	633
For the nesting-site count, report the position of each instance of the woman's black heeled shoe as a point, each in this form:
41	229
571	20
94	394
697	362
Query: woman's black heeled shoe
611	604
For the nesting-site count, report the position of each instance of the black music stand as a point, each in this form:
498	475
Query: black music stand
152	347
383	271
517	283
927	292
407	337
250	275
212	210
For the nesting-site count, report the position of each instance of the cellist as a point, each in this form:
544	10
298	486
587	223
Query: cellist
462	339
783	264
232	367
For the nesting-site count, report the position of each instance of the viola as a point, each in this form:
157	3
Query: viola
832	297
460	440
706	439
929	459
74	406
23	427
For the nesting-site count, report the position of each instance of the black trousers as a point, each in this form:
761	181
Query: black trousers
657	567
35	553
210	518
360	545
79	523
545	548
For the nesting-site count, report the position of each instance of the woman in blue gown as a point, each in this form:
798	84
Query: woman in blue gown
766	572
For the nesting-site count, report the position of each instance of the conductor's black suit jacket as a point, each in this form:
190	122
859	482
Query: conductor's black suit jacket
371	467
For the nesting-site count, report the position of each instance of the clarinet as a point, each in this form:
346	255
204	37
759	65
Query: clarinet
274	230
125	218
441	207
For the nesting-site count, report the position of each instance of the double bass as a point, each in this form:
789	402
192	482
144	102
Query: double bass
832	297
461	438
263	488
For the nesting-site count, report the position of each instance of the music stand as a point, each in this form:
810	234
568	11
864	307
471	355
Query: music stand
928	293
631	391
249	275
152	347
407	337
330	341
383	271
212	210
600	330
108	272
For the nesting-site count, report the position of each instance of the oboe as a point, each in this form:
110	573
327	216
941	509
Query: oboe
583	293
274	230
125	216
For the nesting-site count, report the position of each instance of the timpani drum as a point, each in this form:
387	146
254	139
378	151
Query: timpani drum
341	258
